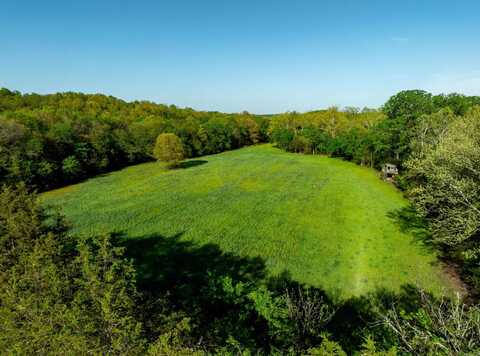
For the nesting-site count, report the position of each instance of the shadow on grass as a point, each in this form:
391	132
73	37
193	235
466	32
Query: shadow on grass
214	288
184	267
410	222
191	163
201	282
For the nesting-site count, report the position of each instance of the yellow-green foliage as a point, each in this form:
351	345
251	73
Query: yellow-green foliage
331	121
329	223
169	148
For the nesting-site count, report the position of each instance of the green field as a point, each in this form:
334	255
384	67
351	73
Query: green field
328	222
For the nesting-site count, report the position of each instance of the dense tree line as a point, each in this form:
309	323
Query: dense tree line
369	137
333	132
101	295
51	140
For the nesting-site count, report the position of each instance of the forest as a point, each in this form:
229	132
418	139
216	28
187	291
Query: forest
65	294
53	140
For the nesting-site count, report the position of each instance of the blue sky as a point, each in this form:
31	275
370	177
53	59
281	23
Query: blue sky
260	56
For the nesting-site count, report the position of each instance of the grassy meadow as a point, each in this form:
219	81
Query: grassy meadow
327	222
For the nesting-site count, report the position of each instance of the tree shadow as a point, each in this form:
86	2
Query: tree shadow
191	163
90	174
357	317
201	282
183	267
410	222
283	281
214	289
360	316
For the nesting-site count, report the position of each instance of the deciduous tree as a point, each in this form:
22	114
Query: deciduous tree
169	149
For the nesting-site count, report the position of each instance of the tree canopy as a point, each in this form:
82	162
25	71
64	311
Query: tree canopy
53	140
169	148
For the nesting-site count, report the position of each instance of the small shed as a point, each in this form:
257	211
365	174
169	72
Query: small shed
389	171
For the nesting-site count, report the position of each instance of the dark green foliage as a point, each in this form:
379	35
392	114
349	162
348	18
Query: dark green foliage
58	295
70	167
332	132
436	327
51	140
409	105
365	137
458	103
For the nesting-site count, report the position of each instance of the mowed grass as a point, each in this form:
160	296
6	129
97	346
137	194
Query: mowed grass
327	222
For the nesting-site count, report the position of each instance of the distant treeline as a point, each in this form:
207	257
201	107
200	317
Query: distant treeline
52	140
368	136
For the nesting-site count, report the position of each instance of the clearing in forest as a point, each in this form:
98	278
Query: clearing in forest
327	222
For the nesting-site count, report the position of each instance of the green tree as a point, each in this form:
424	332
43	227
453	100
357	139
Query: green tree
445	174
59	295
326	348
106	296
409	104
169	148
447	169
71	167
436	327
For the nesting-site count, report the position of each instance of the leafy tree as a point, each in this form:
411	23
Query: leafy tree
70	166
58	295
106	296
430	129
326	348
437	327
308	312
445	171
369	348
169	148
458	103
409	104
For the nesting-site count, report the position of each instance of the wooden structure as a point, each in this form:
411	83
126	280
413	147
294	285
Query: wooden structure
389	171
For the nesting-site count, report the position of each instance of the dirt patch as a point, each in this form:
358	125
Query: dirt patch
452	272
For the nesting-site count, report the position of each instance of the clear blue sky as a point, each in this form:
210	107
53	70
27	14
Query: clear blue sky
260	56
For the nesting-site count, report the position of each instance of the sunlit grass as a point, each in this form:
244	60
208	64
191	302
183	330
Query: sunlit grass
325	221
